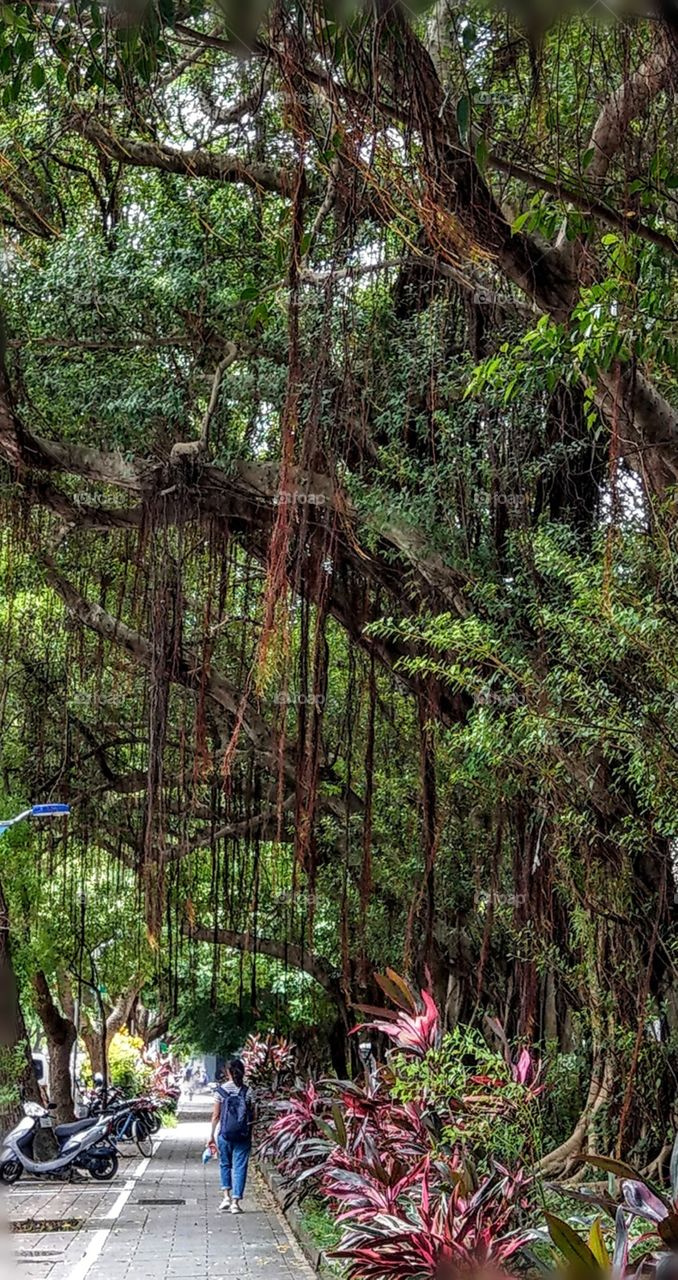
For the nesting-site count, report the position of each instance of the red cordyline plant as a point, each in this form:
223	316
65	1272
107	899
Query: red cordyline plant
254	1055
296	1124
340	1125
405	1210
268	1059
376	1187
525	1067
416	1025
436	1231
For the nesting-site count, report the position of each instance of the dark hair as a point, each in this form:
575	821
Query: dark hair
236	1070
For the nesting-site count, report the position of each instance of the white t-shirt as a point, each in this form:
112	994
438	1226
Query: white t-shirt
229	1087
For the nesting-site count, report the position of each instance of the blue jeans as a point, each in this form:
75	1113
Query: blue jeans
234	1158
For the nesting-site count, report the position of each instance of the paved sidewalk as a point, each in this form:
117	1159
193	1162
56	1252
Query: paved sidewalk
158	1221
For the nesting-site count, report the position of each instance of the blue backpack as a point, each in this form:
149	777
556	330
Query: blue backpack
235	1118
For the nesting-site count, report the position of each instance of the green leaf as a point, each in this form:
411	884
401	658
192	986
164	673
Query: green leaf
522	219
597	1243
618	1167
340	1125
37	75
570	1245
258	316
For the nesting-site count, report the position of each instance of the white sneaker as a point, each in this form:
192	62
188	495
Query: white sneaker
235	1206
225	1203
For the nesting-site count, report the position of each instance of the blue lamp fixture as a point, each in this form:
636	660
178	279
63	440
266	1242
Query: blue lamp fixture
36	811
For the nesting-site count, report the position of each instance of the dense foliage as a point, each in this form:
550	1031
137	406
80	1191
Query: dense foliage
404	1183
338	540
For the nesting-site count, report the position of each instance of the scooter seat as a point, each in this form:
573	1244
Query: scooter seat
66	1130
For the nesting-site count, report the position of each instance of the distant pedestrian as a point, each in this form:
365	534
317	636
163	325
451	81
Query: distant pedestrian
233	1122
189	1081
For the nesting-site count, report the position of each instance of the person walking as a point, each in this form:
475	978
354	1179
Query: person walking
233	1116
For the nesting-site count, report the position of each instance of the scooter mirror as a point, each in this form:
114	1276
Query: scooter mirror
98	1078
33	1109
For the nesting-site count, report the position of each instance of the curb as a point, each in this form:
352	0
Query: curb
314	1256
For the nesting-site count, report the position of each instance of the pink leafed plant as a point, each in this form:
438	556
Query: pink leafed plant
408	1204
415	1026
526	1069
297	1121
268	1059
459	1230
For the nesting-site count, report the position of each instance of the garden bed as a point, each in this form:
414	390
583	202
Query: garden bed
307	1228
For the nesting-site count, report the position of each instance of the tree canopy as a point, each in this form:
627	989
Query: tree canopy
339	436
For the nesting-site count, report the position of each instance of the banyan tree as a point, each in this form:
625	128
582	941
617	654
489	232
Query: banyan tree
338	536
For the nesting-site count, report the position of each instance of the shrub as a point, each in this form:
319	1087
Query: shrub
126	1067
481	1100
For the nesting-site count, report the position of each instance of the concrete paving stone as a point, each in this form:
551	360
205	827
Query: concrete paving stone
188	1241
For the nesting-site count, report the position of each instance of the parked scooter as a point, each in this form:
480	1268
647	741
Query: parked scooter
83	1145
134	1119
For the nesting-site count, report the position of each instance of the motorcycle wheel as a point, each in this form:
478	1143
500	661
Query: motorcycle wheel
104	1167
10	1172
142	1138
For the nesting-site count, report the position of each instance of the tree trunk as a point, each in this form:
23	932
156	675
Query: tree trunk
116	1020
92	1040
337	1043
16	1065
60	1033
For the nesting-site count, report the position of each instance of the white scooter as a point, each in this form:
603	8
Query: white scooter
83	1145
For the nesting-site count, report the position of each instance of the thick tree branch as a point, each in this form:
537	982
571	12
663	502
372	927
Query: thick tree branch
631	100
194	164
626	220
288	952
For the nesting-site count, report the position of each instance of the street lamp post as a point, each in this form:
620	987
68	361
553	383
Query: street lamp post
35	811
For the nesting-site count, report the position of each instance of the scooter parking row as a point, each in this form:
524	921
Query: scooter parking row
88	1145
